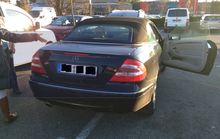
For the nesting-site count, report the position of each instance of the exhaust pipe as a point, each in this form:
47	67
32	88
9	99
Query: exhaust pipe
48	104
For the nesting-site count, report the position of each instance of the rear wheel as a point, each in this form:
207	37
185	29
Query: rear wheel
150	107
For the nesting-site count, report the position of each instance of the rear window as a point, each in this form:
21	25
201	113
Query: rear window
177	13
213	18
65	21
101	33
128	14
34	13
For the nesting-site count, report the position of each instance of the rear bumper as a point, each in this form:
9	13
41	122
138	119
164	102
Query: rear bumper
92	99
175	27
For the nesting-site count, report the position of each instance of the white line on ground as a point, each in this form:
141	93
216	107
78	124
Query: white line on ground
22	76
89	127
61	138
218	53
160	30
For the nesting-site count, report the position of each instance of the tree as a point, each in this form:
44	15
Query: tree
32	1
125	1
82	6
163	4
204	6
122	6
108	9
215	6
135	1
24	4
58	5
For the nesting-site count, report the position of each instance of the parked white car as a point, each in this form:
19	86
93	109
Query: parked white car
210	22
44	15
19	21
176	18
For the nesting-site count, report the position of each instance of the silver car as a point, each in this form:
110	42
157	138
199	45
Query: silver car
209	22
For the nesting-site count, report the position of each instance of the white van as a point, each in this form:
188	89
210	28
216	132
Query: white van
44	15
176	18
19	21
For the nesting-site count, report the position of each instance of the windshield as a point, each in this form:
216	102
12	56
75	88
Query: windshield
213	18
129	14
34	13
177	13
66	21
101	33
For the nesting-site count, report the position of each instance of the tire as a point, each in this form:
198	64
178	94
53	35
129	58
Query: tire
150	107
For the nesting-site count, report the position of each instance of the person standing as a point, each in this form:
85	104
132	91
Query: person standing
4	67
10	51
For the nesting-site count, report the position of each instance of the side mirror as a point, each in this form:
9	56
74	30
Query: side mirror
37	25
175	37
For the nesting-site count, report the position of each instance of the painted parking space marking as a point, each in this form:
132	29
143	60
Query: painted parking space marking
61	138
218	53
217	66
90	126
160	30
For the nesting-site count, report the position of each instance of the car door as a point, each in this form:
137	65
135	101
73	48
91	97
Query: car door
191	55
19	23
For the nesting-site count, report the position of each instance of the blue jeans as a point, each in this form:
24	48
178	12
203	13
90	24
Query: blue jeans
14	83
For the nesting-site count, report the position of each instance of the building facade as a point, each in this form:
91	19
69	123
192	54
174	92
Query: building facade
99	7
156	7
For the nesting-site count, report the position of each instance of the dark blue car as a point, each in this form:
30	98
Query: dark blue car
112	64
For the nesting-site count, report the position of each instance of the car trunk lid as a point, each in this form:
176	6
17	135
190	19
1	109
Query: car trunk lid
83	64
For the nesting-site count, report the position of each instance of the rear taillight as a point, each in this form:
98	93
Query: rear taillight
204	22
36	64
165	20
187	20
130	71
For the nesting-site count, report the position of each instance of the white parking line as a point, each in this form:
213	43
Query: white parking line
89	127
23	76
218	53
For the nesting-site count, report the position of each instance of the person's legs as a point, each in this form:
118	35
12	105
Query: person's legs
13	73
5	107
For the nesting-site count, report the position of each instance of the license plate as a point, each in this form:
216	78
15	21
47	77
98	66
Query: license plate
77	69
176	21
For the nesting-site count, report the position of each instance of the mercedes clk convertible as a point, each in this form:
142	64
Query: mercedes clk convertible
112	64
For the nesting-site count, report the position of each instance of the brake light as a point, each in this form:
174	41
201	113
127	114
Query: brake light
204	22
36	64
130	71
187	20
78	54
165	20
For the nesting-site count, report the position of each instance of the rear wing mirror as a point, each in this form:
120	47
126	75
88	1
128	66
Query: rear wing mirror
177	37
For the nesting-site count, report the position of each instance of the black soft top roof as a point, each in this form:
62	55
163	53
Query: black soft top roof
136	23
